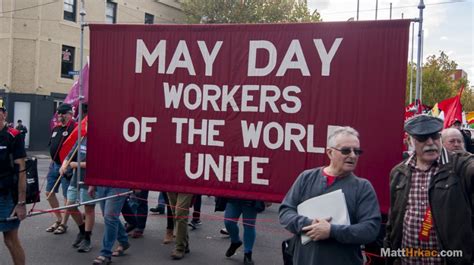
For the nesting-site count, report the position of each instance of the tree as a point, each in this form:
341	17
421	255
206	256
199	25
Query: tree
438	83
248	11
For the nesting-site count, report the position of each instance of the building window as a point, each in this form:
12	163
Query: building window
70	10
67	61
111	12
149	18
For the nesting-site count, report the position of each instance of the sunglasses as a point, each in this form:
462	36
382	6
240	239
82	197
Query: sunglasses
424	138
347	150
63	112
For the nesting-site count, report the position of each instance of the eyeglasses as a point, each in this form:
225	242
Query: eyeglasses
424	138
347	150
62	112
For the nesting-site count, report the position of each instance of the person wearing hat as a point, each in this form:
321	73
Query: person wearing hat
431	199
12	193
59	134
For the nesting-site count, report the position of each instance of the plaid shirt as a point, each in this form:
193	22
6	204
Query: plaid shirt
416	208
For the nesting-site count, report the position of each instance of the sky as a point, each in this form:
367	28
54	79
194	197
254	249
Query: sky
448	24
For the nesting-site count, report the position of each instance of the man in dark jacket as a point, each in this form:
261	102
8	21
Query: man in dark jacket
431	200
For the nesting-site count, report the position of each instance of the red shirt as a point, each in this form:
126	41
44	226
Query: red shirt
329	179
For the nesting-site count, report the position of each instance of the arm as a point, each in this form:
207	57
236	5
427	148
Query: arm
19	155
288	214
389	226
20	208
368	220
67	160
73	165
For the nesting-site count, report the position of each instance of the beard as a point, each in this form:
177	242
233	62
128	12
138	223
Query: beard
61	119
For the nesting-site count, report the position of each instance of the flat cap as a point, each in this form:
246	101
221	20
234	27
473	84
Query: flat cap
64	108
423	125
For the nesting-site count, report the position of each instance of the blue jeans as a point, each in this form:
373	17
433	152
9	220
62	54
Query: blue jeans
114	229
135	209
161	200
232	214
53	175
6	209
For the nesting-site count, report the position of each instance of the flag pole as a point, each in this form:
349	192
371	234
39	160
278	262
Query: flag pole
68	206
81	99
411	60
421	6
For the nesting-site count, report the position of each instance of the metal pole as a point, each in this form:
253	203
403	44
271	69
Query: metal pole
357	10
376	8
69	206
421	73
421	6
390	11
411	60
81	97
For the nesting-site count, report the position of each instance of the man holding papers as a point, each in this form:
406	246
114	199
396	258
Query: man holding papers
335	192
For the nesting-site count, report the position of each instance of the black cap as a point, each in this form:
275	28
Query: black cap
423	125
64	108
3	109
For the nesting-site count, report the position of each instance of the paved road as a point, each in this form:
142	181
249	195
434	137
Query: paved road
207	245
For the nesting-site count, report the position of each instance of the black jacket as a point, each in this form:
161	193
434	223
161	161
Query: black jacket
451	199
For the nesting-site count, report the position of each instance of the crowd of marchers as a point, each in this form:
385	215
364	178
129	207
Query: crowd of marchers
431	201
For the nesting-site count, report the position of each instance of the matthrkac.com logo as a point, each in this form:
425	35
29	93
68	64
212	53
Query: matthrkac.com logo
419	252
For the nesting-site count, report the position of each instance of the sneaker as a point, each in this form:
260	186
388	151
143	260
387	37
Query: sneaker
177	254
85	246
248	259
158	209
79	238
224	231
232	248
196	222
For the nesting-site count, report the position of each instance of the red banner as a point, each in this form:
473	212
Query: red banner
241	110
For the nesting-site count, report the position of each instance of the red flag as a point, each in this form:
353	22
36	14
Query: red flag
72	139
452	109
420	108
73	95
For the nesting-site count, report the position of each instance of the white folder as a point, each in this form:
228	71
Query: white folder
331	204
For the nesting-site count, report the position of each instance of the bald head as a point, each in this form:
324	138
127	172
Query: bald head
452	139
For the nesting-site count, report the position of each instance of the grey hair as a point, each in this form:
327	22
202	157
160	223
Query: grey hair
346	130
451	131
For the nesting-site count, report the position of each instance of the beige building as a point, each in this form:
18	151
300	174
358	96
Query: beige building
40	46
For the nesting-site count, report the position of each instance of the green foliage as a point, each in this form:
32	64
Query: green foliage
437	82
247	11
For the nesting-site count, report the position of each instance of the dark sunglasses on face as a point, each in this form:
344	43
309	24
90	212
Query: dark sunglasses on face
62	112
347	150
424	138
